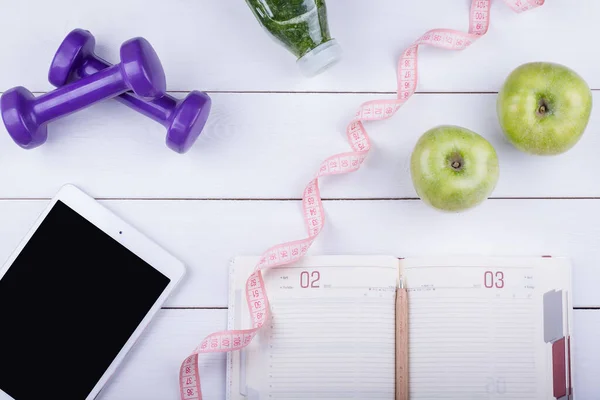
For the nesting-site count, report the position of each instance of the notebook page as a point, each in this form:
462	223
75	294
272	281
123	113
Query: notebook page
331	335
476	328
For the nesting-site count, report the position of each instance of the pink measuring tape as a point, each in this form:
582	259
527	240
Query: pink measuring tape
290	252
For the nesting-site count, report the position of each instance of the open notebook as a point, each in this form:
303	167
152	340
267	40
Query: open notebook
478	328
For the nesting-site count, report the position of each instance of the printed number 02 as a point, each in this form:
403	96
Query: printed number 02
491	280
305	279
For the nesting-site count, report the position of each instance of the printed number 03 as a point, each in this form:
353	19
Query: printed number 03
491	280
309	280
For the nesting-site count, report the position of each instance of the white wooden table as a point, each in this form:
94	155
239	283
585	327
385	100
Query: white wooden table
237	191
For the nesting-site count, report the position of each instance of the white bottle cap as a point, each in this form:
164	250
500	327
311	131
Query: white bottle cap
320	58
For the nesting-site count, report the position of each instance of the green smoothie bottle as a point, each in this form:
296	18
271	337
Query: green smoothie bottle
301	27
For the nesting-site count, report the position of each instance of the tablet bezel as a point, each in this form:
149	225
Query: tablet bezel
131	239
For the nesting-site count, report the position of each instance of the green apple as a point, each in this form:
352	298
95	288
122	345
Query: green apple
453	168
544	108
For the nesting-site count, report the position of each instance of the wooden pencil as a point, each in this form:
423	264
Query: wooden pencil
401	343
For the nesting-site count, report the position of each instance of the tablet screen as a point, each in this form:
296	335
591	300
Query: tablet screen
68	304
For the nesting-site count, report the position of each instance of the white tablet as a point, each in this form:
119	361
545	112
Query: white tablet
74	297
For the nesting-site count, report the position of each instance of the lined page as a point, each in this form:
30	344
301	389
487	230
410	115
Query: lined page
331	335
475	332
341	347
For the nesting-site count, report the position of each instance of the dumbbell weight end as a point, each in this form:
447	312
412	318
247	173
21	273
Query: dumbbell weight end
19	119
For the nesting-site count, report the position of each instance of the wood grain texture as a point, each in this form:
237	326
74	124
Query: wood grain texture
271	145
218	44
402	340
150	371
207	234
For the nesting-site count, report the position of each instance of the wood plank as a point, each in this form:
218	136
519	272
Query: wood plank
219	45
205	235
270	146
150	371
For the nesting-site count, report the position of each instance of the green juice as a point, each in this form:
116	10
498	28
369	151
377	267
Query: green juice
301	26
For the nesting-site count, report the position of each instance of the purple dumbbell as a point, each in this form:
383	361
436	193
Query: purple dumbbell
26	117
184	119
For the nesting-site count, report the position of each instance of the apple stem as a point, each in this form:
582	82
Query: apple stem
543	107
456	161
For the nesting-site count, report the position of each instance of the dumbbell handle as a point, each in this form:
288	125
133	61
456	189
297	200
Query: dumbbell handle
159	109
80	94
